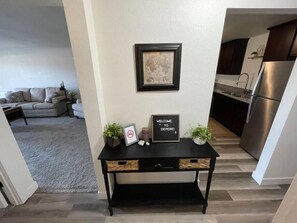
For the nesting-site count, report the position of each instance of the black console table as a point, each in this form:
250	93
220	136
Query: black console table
158	157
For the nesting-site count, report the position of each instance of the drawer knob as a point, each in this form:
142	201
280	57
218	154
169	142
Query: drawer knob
159	165
122	162
194	161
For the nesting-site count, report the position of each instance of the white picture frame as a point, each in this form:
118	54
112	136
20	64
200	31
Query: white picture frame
130	134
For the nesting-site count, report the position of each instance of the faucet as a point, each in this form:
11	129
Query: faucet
246	82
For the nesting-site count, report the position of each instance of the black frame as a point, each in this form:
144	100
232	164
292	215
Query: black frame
176	48
156	137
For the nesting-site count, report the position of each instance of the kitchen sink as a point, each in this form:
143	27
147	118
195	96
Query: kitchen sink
232	94
237	95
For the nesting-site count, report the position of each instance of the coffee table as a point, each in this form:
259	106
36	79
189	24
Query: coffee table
14	114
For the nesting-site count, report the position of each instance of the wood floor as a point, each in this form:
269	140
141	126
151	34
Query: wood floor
234	197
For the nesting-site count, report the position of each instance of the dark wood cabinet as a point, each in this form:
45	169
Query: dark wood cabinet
281	42
239	117
231	57
222	106
230	112
293	53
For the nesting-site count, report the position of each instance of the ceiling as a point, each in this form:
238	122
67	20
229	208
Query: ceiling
249	25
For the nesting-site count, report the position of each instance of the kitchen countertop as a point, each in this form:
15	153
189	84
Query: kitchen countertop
243	99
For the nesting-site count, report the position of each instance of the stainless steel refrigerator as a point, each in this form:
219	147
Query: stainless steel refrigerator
266	96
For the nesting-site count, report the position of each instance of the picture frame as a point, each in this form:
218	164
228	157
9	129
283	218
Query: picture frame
158	66
165	128
130	134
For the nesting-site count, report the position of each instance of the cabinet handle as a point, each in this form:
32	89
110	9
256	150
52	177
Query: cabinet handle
194	161
122	162
159	165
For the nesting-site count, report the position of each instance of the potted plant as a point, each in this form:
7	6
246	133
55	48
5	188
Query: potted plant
113	134
200	134
71	95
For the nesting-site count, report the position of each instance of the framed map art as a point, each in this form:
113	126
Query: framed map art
158	66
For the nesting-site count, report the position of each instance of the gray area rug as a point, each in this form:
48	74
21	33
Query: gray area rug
57	153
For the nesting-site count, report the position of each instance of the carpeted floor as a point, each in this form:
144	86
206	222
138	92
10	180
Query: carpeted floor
57	152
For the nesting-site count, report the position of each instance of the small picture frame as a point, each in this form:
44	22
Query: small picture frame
130	134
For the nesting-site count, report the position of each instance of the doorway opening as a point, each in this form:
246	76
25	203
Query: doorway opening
36	56
246	46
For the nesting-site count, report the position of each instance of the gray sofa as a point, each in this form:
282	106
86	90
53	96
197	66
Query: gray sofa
37	102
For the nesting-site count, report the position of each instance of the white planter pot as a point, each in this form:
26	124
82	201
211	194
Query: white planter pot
199	141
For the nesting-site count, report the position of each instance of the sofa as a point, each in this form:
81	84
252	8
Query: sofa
37	102
77	108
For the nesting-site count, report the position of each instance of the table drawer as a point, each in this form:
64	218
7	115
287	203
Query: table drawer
122	165
158	164
194	163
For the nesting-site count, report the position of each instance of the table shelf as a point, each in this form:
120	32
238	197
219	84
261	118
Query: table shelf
156	194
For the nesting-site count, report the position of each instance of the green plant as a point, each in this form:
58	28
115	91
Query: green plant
113	131
202	132
71	94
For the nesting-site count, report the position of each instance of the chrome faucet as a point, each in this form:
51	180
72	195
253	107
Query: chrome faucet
246	82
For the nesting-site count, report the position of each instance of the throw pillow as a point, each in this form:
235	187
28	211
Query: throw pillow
50	97
12	97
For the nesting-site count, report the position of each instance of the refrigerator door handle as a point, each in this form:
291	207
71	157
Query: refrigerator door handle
254	92
249	110
258	79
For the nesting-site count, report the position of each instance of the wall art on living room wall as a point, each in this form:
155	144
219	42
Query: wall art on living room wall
158	66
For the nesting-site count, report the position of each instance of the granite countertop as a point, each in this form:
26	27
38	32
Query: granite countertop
237	93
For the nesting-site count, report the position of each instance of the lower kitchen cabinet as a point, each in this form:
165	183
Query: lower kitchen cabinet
230	112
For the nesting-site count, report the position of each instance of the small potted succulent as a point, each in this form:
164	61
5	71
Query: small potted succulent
200	134
113	134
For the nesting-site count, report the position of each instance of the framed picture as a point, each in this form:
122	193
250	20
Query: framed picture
130	134
165	128
158	66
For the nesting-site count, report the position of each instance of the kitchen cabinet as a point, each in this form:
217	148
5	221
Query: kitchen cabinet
230	112
293	53
231	57
280	41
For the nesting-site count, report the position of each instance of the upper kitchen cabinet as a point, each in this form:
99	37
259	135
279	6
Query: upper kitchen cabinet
280	42
231	57
293	53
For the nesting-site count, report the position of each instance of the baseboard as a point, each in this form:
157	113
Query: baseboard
271	181
102	195
30	191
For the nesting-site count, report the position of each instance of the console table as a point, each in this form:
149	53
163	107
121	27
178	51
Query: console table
14	114
158	157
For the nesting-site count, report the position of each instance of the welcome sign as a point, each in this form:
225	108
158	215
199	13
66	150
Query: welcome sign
165	128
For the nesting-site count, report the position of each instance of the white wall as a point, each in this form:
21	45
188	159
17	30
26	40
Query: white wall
121	24
35	49
79	15
118	25
13	169
250	66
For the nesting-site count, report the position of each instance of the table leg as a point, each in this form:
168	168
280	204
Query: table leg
106	181
196	176
212	165
25	120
